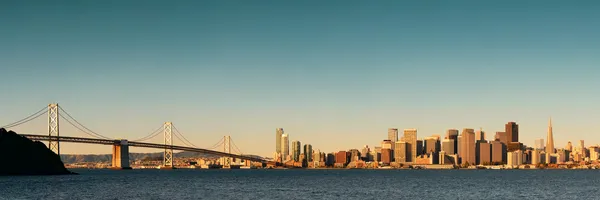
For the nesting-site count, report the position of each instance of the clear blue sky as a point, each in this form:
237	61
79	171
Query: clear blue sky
335	74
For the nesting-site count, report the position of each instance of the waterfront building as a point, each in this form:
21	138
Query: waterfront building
341	157
285	145
562	155
365	153
594	153
354	155
410	137
514	158
452	134
401	152
308	152
582	147
420	148
459	147
498	152
386	156
296	150
330	160
316	155
432	145
484	152
467	154
448	146
535	157
278	134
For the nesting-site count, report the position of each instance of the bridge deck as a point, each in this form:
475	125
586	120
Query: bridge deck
137	144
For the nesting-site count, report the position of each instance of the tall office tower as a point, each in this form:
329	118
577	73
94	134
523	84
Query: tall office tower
431	145
278	133
458	147
393	134
582	147
448	146
285	145
550	140
453	135
365	153
484	152
420	149
535	157
512	131
468	145
386	144
308	152
410	137
539	144
498	152
317	155
479	135
296	150
569	146
502	137
401	150
354	154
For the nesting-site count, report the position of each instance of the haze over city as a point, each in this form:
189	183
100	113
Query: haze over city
334	75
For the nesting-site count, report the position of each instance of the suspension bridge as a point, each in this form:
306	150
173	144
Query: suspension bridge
120	147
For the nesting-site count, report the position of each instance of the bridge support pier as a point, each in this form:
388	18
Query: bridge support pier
120	155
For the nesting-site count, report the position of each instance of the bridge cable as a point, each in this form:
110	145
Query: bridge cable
217	145
84	127
235	146
186	140
149	136
84	131
26	119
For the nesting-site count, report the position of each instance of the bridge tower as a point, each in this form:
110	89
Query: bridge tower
53	128
226	149
168	157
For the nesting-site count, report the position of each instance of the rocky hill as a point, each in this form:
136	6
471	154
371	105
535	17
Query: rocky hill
21	156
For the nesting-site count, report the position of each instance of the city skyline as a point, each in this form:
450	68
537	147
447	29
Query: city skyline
333	75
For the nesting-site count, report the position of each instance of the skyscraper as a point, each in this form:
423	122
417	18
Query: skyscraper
479	135
401	149
448	146
498	152
296	150
453	135
550	140
467	153
569	146
285	145
308	152
432	145
582	149
512	131
278	133
539	144
502	137
410	137
393	135
484	152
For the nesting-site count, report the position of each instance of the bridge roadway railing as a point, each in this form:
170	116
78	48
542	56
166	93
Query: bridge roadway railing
136	144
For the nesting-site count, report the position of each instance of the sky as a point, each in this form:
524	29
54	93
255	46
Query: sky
334	74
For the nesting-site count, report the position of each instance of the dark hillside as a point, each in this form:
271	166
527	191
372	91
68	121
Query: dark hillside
21	156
